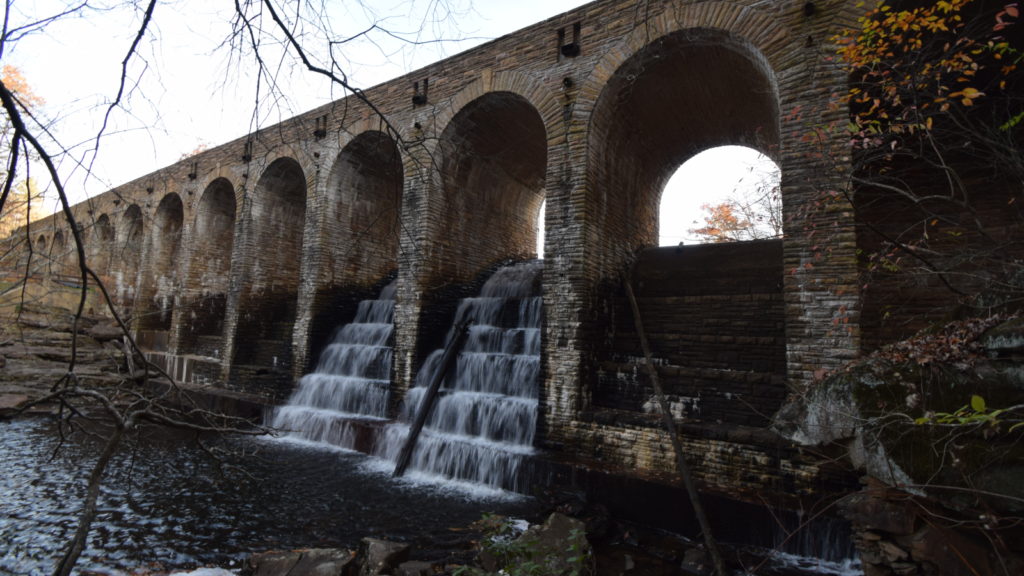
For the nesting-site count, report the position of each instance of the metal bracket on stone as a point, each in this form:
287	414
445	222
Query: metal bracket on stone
569	49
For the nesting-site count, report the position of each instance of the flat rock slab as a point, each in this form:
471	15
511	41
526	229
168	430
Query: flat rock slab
415	568
311	562
12	401
381	556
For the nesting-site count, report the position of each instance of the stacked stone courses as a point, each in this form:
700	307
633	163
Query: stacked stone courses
312	214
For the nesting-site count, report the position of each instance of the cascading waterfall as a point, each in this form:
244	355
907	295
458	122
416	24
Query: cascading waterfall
482	425
351	383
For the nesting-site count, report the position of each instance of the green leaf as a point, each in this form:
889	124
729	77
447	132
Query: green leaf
977	403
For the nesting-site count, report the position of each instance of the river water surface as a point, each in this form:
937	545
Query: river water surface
167	504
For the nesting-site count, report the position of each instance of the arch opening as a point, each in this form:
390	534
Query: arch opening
491	183
494	159
682	94
269	299
127	256
160	286
209	271
723	194
101	245
57	255
360	233
104	230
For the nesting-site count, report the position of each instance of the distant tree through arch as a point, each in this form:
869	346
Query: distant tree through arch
723	194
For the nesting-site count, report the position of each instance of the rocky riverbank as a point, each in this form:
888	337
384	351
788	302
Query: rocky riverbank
936	422
36	351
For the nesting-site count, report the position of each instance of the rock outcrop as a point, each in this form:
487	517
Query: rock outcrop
932	422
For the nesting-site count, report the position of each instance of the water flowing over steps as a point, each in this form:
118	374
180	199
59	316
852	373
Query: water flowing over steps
482	427
346	398
483	423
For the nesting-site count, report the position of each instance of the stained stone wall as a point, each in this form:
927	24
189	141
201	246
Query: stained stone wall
714	319
330	204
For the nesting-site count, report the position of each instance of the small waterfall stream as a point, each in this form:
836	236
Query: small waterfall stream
482	425
351	383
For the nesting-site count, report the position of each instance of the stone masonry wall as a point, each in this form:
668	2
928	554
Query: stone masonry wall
714	319
592	124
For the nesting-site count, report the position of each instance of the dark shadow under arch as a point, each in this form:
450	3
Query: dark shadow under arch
361	232
493	164
160	283
268	302
205	298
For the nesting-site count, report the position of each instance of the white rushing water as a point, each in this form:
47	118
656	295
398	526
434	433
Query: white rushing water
351	383
482	425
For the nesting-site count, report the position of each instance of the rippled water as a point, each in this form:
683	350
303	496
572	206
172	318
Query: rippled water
166	504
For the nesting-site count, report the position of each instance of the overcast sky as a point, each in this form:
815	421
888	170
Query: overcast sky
194	91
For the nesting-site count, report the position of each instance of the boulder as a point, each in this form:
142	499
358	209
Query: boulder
11	402
311	562
381	556
559	545
415	568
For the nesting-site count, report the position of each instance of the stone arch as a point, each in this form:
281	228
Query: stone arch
126	257
759	31
101	245
536	94
209	271
57	253
680	93
360	231
493	163
651	117
41	244
62	261
268	299
160	283
364	192
103	230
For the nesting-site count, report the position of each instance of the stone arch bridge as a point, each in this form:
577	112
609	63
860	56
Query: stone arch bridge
236	263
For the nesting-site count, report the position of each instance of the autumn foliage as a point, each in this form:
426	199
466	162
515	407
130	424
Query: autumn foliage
913	65
753	212
24	197
938	173
14	81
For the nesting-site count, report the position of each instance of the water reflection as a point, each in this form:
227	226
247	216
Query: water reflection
166	504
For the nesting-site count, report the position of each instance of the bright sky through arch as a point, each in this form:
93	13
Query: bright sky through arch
711	177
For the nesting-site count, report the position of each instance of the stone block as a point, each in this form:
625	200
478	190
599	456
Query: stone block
381	556
415	568
310	562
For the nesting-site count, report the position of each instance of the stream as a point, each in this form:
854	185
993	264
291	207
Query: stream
166	504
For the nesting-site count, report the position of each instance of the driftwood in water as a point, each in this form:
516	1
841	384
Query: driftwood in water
428	399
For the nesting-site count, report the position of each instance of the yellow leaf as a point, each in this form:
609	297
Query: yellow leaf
977	403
